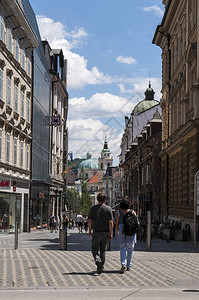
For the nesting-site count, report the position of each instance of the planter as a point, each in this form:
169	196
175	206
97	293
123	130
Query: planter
181	235
168	234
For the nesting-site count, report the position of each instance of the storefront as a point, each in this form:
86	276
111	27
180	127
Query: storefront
14	205
10	212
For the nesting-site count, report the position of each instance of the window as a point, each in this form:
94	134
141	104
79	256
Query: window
17	49
16	97
28	108
7	147
15	151
27	156
1	84
10	39
1	28
8	90
0	143
23	58
22	103
28	66
21	158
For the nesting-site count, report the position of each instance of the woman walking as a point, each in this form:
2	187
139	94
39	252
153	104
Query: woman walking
126	242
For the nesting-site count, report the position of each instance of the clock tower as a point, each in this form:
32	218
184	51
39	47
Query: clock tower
104	161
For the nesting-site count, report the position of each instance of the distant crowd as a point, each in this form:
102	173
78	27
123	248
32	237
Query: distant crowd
80	221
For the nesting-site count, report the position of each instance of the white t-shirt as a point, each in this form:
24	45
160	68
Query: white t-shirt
79	218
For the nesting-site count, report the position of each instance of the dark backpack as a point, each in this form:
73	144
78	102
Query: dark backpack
131	223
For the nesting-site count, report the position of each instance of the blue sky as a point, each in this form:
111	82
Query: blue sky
108	45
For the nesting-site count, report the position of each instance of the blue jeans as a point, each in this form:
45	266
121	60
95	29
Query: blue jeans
126	244
99	243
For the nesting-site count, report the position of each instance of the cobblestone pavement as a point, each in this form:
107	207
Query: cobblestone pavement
38	263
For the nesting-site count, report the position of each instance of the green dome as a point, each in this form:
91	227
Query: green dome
147	103
88	164
144	105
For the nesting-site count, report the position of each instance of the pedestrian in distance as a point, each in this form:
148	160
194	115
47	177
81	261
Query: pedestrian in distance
65	221
100	226
126	242
86	223
79	222
51	219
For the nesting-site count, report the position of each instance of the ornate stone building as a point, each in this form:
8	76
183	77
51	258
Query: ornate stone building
177	37
17	40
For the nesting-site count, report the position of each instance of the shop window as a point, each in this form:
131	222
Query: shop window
10	211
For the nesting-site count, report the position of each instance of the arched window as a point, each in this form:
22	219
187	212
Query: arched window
101	165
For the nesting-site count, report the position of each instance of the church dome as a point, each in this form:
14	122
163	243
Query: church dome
88	163
147	103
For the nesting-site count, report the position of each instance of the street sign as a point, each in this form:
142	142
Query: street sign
55	121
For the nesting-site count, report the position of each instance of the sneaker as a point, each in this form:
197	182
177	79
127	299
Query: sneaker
123	269
99	267
128	269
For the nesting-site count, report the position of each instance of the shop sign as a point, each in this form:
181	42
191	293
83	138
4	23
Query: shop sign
5	183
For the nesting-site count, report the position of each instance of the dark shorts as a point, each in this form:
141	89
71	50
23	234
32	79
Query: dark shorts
79	224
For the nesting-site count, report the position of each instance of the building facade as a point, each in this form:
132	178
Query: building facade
17	40
57	66
177	37
134	124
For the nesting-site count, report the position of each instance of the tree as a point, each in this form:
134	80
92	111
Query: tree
85	201
73	200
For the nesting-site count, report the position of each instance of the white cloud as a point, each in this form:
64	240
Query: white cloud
126	60
157	10
58	37
92	136
100	105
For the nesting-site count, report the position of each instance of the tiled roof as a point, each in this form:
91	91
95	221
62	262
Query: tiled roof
93	179
116	175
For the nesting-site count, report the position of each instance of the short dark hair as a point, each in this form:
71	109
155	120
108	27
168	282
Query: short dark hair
101	197
124	204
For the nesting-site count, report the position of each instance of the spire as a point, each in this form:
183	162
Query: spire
149	94
105	149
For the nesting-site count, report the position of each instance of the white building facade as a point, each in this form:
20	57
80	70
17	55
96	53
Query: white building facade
16	43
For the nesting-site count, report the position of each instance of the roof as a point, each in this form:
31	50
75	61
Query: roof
147	103
116	175
88	164
93	179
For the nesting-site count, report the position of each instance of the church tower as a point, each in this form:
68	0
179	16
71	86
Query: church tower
104	161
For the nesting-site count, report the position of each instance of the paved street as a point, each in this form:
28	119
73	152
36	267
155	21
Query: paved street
38	264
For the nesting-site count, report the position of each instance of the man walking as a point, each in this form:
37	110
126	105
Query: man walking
100	221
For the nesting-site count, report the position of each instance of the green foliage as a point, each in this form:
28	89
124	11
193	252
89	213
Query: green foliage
72	200
76	202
